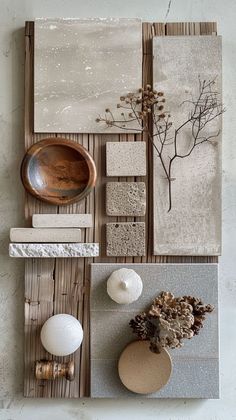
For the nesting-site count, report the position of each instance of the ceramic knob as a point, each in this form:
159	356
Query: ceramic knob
124	286
61	335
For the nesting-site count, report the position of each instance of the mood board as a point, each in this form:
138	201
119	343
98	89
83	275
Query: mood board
74	285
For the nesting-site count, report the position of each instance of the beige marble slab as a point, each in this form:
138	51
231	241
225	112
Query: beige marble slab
82	67
193	225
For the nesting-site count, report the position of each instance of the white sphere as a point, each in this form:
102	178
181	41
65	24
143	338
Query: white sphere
124	286
61	334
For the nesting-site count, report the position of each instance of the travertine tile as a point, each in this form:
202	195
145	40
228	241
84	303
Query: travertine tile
126	158
45	235
125	198
62	220
195	366
74	250
82	67
125	239
193	225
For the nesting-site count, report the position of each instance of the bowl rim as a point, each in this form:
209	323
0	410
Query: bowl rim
35	148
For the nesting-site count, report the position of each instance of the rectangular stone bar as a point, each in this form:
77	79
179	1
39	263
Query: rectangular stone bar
82	67
62	221
44	235
73	250
191	225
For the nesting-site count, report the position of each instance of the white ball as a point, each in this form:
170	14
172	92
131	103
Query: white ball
61	334
124	286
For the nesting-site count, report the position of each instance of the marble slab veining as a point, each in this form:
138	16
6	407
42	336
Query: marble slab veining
125	199
62	220
74	250
44	235
82	67
193	225
195	365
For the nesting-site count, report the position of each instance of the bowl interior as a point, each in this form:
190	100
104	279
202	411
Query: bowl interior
58	171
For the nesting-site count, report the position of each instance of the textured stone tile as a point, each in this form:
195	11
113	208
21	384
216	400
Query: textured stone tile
62	220
193	225
82	66
126	158
195	365
53	250
125	239
44	235
125	198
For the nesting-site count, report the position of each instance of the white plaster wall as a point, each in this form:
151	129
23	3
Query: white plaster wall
13	14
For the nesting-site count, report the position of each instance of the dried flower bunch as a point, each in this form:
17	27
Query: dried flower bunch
146	109
170	320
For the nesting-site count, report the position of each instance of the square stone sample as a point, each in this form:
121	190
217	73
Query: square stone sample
82	67
126	198
193	225
195	366
125	239
126	158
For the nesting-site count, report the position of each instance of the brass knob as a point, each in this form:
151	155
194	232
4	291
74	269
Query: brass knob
51	370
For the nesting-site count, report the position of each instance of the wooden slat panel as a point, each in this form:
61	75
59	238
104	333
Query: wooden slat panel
63	285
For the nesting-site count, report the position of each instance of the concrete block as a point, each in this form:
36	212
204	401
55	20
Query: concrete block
125	198
19	250
125	239
45	235
126	158
62	220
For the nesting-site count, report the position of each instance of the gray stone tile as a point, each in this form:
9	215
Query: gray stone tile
125	239
82	67
193	225
126	158
195	373
125	198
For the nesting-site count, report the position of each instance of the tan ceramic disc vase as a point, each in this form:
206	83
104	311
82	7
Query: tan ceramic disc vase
58	171
142	371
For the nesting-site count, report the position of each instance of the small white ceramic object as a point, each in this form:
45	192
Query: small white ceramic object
124	286
61	334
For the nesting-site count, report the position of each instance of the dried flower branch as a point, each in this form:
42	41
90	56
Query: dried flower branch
147	110
170	320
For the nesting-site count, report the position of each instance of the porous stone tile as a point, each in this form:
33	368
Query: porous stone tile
82	66
125	239
62	220
23	250
126	158
125	198
44	235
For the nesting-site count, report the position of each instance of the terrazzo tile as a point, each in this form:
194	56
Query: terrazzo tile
125	239
82	67
126	158
125	198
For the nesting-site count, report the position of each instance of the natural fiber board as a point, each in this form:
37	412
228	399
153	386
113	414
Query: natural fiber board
193	224
195	365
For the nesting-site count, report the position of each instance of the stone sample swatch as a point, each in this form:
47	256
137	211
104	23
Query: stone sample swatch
23	250
82	67
62	221
195	366
45	235
193	225
125	199
126	158
125	239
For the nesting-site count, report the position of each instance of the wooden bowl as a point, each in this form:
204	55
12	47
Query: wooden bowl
58	171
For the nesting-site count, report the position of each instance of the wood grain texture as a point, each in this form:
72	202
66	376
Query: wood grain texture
55	286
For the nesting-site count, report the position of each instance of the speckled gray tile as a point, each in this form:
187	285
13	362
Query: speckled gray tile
126	158
82	67
125	198
193	225
110	331
125	239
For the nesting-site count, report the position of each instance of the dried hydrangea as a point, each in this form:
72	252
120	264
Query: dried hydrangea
170	320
